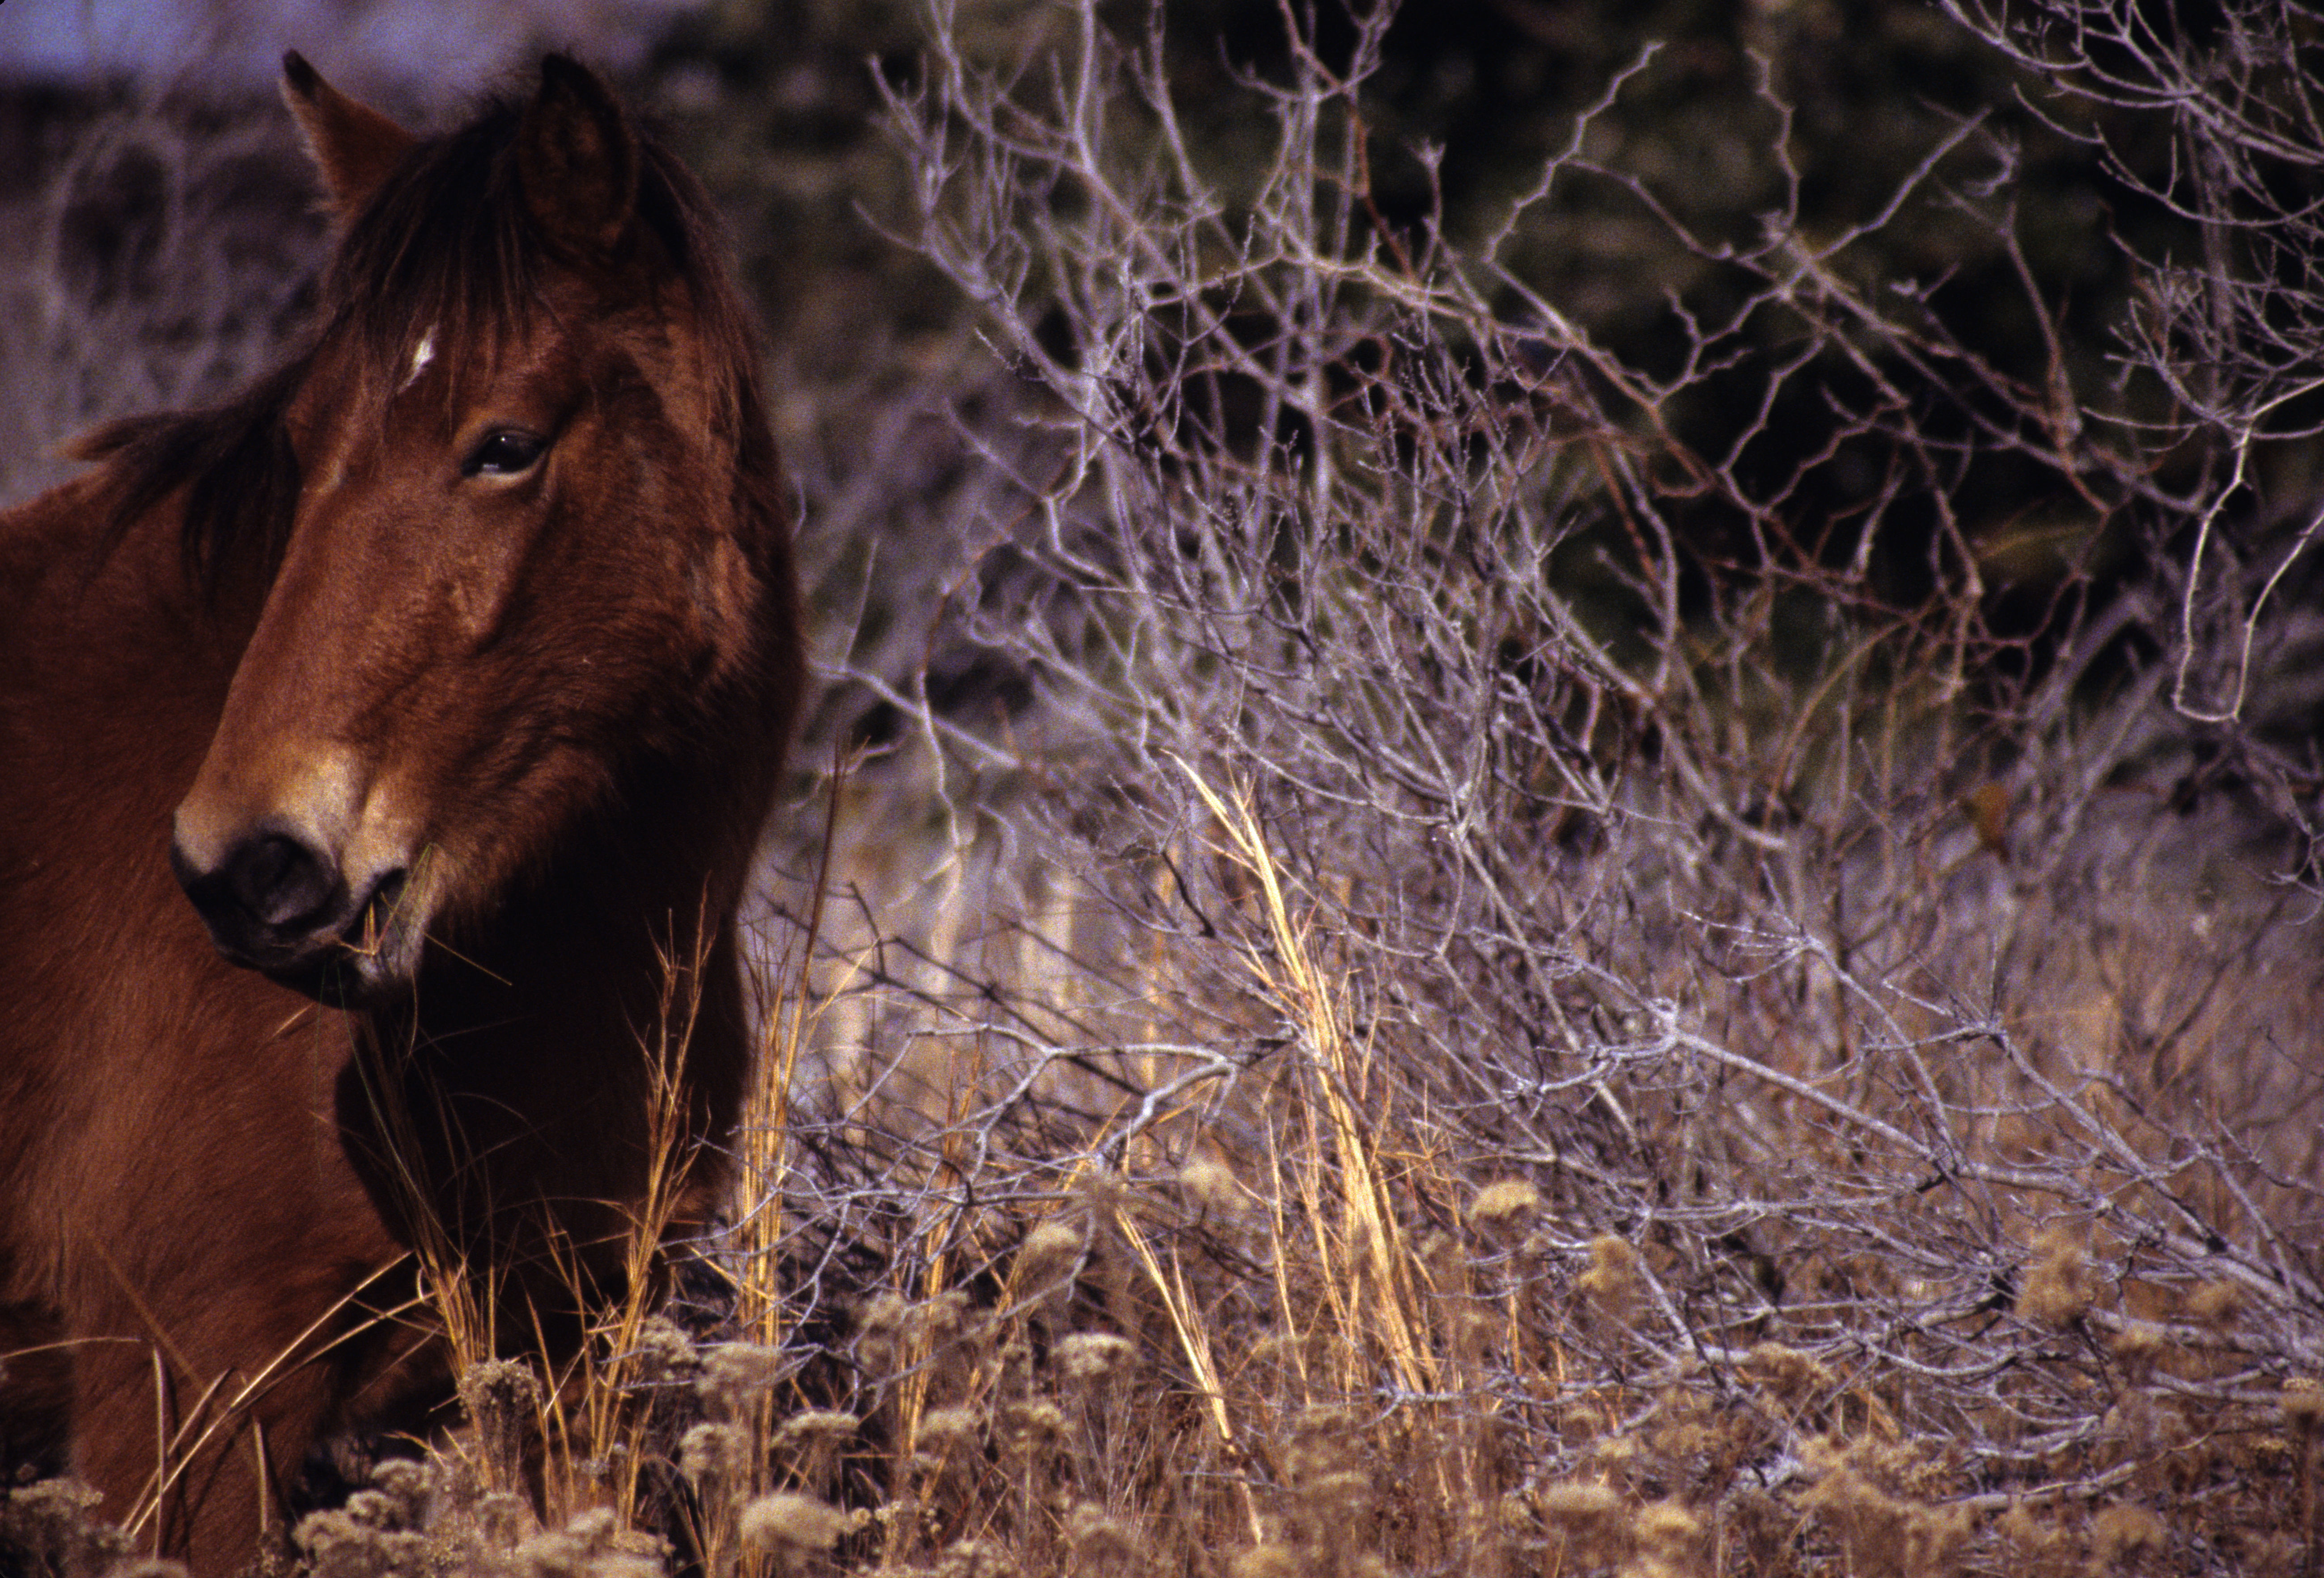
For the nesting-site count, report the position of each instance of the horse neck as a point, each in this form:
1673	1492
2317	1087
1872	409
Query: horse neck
616	965
548	1053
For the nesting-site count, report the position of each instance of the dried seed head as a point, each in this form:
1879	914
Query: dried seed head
1478	1328
1439	1253
2060	1284
1593	1518
1851	1502
49	1525
600	1470
2138	1344
339	1542
1049	1251
1615	1453
1276	1347
1211	1184
816	1427
1787	1373
68	1501
374	1510
502	1396
1344	1492
544	1555
1612	1282
884	1313
1499	1204
502	1518
1613	1255
2214	1303
734	1369
1934	1535
2028	1535
937	1315
1091	1355
1268	1562
1320	1441
625	1564
788	1520
976	1558
1668	1530
942	1428
1098	1539
1574	1501
1330	1421
711	1452
662	1351
500	1386
1820	1455
570	1552
1033	1422
593	1527
407	1485
2122	1534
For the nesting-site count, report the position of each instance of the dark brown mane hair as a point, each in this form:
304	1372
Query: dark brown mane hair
448	244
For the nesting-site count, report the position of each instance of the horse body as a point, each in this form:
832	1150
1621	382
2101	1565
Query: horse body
169	1166
382	755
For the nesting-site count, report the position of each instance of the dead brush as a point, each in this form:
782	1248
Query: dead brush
58	1526
1562	1051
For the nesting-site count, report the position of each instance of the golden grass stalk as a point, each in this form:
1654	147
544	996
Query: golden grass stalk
1368	1243
179	1443
591	1417
1194	1336
762	1147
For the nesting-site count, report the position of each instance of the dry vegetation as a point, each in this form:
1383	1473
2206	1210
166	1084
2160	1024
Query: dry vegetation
1459	937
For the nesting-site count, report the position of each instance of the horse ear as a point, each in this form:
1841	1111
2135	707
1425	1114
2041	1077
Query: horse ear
577	160
353	144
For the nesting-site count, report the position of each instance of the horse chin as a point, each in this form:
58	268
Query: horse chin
344	977
340	980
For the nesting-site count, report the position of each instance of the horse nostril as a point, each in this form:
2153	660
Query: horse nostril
278	880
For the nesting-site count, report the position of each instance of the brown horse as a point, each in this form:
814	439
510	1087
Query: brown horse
446	671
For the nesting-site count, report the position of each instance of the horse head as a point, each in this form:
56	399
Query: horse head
531	520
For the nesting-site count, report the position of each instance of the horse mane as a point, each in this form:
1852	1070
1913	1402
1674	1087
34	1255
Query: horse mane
235	461
445	246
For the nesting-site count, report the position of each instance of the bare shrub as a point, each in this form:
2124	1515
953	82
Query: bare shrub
156	262
2207	116
1543	905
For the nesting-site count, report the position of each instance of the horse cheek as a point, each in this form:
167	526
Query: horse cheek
723	591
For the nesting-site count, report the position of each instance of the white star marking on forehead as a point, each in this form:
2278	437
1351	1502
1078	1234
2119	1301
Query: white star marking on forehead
420	358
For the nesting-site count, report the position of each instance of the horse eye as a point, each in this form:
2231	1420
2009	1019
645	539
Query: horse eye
504	452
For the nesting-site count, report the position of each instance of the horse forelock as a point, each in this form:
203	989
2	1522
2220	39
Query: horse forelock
446	264
443	266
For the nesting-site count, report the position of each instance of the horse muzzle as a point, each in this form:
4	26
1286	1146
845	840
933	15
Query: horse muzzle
282	904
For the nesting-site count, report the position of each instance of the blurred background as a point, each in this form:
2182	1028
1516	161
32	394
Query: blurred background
412	54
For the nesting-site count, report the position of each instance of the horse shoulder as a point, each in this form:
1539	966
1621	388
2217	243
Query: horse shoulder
128	1048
